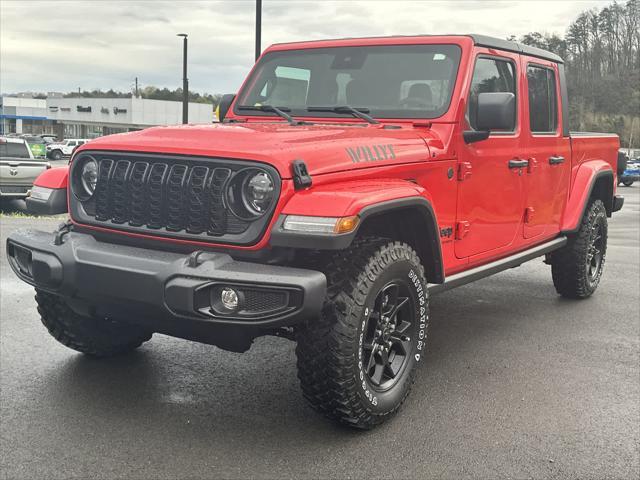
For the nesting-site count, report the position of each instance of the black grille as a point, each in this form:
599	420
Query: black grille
263	300
172	196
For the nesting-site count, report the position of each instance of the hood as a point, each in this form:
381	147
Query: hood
324	148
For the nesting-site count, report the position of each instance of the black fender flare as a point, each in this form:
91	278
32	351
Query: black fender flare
300	240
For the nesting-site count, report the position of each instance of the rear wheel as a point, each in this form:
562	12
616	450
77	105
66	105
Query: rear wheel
99	337
56	155
627	183
577	268
357	362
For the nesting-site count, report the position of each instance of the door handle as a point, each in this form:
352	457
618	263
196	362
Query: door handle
556	160
517	163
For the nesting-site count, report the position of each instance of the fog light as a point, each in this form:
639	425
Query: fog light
229	298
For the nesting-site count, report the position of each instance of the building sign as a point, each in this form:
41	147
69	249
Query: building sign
117	110
80	108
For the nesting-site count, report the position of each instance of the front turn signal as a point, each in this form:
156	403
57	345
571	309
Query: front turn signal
346	224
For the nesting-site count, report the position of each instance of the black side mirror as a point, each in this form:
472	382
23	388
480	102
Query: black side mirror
223	105
496	111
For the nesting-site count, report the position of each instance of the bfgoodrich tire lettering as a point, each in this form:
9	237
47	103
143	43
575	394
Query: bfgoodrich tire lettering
577	268
99	337
334	366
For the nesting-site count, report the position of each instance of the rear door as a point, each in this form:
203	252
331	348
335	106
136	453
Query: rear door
548	152
490	193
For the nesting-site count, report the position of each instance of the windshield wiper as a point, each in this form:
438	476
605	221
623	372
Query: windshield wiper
280	111
356	112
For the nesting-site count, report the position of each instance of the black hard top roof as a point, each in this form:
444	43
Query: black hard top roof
479	40
500	44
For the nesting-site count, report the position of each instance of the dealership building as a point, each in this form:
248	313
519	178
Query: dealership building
80	117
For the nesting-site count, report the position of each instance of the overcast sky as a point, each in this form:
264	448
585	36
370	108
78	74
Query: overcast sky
62	45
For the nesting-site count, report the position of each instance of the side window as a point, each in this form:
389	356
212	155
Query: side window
490	75
543	101
71	143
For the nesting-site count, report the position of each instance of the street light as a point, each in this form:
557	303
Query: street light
258	27
185	80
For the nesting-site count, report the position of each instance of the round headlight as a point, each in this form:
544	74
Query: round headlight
251	193
257	192
86	178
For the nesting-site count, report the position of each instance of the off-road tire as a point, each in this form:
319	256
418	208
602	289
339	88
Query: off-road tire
98	337
56	155
329	349
569	265
627	183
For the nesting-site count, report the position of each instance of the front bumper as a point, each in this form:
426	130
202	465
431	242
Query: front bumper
630	176
168	292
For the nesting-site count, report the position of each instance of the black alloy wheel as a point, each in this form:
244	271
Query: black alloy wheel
387	340
595	252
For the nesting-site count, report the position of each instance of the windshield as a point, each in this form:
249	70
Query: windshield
398	81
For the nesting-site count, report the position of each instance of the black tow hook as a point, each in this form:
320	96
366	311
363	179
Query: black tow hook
63	229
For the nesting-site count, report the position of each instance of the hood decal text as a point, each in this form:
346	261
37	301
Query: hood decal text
371	153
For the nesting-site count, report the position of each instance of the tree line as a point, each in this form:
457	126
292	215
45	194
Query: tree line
601	49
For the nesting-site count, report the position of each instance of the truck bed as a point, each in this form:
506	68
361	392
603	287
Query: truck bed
587	146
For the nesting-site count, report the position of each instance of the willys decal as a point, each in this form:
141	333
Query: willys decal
371	153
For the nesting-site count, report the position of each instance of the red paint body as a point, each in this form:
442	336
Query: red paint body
501	210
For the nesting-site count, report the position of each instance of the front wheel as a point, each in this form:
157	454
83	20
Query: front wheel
577	267
627	183
98	337
56	155
357	362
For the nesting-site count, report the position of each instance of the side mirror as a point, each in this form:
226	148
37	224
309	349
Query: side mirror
496	111
223	105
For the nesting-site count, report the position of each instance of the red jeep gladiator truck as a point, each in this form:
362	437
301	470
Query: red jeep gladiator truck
347	181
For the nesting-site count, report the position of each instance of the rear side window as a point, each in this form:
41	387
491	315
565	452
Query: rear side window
490	75
16	150
543	101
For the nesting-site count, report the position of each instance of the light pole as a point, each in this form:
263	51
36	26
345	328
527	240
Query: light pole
258	27
185	80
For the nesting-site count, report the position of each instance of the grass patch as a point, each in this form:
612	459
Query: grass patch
19	214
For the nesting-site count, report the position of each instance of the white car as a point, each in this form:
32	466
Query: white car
55	151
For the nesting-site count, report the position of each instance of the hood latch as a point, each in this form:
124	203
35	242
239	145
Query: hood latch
301	177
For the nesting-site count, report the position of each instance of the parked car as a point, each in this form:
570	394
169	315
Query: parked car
55	151
631	173
49	138
36	144
18	167
348	181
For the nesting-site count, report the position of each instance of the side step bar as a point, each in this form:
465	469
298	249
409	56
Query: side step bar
482	271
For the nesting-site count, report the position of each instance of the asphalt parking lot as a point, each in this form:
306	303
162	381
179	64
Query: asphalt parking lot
518	383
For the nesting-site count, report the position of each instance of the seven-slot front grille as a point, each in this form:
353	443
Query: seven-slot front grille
170	196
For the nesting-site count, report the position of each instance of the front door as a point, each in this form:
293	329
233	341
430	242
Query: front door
549	151
491	198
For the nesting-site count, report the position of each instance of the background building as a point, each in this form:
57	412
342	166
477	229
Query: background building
80	117
24	115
